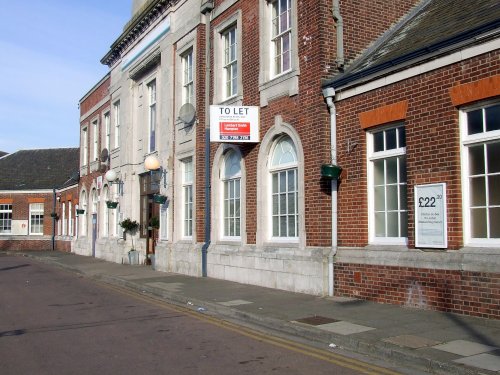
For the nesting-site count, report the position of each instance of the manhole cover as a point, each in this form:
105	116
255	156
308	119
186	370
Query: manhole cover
316	320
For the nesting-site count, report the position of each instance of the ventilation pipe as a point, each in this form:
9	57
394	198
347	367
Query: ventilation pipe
340	34
329	95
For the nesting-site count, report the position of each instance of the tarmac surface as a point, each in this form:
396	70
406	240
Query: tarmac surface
431	341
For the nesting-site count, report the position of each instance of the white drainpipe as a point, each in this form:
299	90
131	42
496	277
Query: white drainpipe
329	95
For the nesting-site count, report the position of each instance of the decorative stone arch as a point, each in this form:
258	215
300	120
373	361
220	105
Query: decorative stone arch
217	203
279	129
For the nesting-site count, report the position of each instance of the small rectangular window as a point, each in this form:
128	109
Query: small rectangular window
188	78
36	218
388	190
116	112
481	152
187	193
230	62
5	218
281	35
152	115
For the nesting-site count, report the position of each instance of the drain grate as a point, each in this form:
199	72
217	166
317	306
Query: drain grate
316	320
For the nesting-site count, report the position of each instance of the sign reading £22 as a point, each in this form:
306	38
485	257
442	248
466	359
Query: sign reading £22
234	124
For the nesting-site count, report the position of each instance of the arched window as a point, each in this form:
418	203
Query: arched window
105	212
283	171
94	201
83	220
231	195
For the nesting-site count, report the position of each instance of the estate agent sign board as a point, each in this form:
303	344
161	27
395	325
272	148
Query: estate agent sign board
431	228
234	124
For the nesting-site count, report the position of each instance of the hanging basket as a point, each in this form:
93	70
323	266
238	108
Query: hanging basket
80	211
111	204
158	198
330	171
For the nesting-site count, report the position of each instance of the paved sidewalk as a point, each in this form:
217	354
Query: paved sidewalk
427	340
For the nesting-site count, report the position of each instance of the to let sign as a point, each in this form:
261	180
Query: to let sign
430	216
234	124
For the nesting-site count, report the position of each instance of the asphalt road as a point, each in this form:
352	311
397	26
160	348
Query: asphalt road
56	322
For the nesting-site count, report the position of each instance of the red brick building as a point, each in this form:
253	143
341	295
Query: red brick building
32	183
95	220
418	138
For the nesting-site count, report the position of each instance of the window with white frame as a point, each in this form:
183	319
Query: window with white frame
164	221
231	196
387	185
152	115
187	78
105	213
95	201
116	113
85	146
230	62
480	127
5	218
278	47
107	130
70	218
63	221
283	170
95	140
187	197
36	218
83	217
281	37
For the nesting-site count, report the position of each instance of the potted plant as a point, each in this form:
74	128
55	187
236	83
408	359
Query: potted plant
131	226
154	222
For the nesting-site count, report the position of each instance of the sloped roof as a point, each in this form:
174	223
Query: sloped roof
435	27
39	169
2	153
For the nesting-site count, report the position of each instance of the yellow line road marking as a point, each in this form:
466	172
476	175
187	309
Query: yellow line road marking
309	351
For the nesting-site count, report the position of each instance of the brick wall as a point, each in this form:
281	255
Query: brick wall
469	293
433	144
307	111
99	93
433	155
366	20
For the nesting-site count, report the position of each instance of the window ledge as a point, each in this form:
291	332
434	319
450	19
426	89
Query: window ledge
286	84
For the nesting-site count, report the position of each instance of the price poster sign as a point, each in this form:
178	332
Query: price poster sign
431	228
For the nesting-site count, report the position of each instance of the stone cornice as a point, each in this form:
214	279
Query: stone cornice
140	22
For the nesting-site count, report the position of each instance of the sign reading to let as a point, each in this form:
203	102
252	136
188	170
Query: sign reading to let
234	124
431	228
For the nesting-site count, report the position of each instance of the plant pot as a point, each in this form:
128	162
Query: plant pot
110	204
330	171
133	257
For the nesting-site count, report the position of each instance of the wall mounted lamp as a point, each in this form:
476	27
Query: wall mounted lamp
153	165
112	177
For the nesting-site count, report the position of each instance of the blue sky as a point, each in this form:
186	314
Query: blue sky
50	52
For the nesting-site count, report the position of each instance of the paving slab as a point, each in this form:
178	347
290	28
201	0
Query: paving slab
344	328
464	347
411	341
485	361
